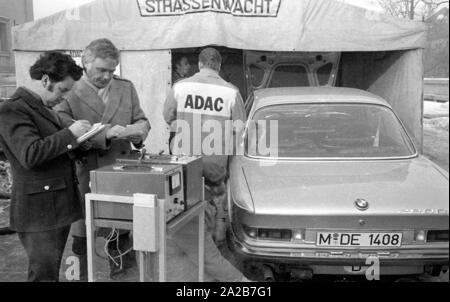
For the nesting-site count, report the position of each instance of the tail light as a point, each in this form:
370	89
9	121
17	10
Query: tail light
268	234
437	236
275	234
250	232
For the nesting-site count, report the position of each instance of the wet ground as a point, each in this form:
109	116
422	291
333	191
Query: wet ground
13	260
13	263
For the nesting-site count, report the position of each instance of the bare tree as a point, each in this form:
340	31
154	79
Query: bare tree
411	9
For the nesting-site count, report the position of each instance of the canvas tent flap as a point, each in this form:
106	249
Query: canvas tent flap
396	76
278	25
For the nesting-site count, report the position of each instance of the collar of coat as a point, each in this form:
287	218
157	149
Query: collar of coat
205	71
36	103
90	97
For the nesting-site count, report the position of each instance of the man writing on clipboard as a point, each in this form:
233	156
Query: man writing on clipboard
45	200
101	97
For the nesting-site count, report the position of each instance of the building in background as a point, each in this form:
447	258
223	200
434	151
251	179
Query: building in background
12	12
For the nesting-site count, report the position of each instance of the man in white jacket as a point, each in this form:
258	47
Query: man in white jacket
197	104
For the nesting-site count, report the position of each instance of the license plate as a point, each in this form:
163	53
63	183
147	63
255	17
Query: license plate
356	270
339	239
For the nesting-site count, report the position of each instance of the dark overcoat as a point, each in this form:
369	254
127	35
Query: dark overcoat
44	193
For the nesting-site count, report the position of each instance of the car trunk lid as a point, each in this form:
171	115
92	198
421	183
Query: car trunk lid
390	187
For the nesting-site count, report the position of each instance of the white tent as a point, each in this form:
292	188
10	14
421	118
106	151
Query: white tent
381	54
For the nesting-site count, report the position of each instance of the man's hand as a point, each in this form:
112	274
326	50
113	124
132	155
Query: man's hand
86	146
79	128
136	140
114	131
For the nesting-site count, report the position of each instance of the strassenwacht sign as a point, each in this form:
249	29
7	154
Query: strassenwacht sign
240	8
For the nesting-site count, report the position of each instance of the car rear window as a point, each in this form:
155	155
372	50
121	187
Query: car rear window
289	76
327	131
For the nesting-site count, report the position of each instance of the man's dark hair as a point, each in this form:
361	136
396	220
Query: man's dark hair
177	60
57	66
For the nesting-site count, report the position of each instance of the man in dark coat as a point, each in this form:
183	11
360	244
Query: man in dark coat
45	200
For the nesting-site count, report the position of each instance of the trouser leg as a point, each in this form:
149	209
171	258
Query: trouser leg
217	207
79	249
44	251
79	246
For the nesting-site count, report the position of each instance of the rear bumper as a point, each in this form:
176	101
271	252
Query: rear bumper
332	257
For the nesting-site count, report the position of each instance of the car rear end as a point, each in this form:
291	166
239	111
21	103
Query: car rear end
345	193
403	244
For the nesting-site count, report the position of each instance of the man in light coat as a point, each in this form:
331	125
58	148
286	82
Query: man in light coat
102	97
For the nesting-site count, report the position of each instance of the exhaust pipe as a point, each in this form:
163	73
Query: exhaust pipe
302	273
268	273
5	196
6	231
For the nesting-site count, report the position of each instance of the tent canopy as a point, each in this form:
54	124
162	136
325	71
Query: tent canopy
380	54
275	25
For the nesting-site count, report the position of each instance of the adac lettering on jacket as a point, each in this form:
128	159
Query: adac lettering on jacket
208	103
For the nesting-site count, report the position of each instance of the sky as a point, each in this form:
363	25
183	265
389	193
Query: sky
369	4
43	8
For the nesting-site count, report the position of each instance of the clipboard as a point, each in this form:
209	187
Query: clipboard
96	129
132	131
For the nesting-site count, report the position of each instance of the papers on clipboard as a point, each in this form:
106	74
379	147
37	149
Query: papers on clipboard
96	129
132	131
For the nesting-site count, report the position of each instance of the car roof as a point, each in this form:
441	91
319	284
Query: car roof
298	95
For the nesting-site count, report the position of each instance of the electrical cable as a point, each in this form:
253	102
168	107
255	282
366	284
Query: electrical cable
114	236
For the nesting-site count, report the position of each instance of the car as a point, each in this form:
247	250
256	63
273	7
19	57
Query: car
344	190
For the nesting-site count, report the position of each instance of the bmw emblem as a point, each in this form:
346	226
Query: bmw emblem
361	204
